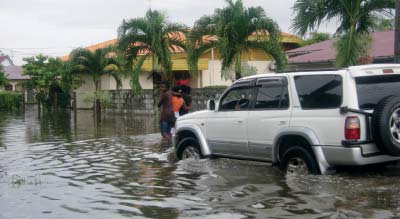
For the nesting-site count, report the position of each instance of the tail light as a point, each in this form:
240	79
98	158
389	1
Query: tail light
352	128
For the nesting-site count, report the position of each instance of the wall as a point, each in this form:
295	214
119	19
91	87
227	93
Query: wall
210	77
146	102
213	75
87	86
109	83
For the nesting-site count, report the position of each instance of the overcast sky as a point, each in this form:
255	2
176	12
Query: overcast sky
55	27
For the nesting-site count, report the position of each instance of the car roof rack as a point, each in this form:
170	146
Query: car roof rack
310	70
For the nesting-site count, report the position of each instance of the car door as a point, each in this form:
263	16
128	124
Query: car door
270	114
226	128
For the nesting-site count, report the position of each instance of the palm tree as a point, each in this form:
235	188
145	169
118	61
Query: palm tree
151	36
234	31
356	20
100	62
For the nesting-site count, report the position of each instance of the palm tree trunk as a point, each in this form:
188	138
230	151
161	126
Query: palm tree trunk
97	101
397	34
238	67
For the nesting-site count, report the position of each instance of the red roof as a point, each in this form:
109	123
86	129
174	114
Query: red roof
382	47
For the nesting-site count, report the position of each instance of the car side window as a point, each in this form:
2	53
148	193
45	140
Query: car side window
237	99
319	91
271	97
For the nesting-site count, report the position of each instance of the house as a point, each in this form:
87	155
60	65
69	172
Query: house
14	75
16	81
323	54
209	66
5	60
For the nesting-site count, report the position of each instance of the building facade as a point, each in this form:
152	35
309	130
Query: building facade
210	73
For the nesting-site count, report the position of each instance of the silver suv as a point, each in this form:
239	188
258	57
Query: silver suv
303	122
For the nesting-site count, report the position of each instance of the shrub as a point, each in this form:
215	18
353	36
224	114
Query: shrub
10	100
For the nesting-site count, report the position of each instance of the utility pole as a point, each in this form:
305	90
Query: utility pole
397	34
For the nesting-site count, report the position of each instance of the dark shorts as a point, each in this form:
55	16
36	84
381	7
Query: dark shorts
165	127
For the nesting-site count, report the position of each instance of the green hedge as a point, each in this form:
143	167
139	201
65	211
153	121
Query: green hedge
10	100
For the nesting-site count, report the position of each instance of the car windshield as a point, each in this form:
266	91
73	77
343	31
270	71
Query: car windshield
372	89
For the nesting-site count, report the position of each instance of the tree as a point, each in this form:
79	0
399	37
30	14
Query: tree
3	78
44	72
100	62
356	19
237	30
383	24
152	36
316	37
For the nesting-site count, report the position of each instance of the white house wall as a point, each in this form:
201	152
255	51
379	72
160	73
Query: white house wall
212	76
87	86
109	83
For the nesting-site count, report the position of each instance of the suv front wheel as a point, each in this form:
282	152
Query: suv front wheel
297	160
188	148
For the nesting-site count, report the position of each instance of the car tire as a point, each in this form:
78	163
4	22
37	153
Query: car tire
386	125
189	148
298	160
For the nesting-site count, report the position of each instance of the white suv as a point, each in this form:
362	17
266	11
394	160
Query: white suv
304	122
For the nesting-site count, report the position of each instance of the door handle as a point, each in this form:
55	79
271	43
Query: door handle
239	122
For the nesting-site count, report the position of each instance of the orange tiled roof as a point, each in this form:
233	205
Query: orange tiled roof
289	38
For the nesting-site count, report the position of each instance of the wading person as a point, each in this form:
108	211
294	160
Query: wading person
178	103
167	118
187	99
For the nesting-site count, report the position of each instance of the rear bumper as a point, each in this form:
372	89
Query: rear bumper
352	156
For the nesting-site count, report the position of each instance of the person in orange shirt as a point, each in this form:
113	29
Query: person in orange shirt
178	102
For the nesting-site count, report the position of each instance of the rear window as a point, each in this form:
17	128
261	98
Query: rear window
372	89
319	91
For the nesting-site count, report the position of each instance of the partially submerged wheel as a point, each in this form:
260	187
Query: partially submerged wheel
298	161
386	125
191	152
188	148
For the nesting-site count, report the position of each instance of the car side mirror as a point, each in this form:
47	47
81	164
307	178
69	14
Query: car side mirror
211	105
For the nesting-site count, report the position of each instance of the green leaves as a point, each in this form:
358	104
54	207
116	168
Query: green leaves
151	36
103	61
237	29
3	78
316	37
355	17
351	47
10	100
48	74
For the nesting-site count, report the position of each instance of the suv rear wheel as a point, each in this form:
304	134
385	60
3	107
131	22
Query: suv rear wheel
297	160
189	148
386	125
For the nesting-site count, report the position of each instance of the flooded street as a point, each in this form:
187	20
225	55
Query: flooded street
77	166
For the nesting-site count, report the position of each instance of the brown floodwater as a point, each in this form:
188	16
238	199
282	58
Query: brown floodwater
67	165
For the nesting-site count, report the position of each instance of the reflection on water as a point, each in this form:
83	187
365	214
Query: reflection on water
67	165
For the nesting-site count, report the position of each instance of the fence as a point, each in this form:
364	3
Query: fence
146	101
